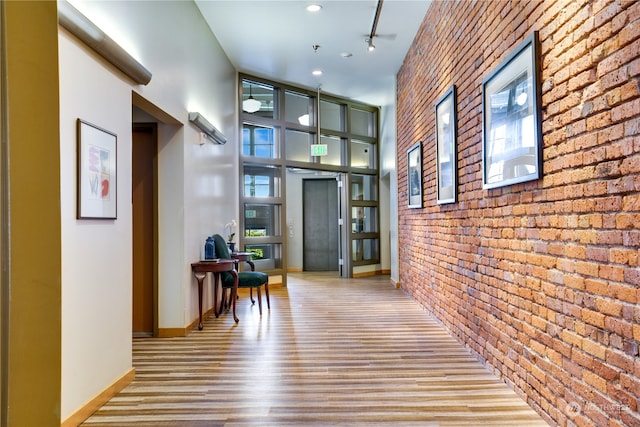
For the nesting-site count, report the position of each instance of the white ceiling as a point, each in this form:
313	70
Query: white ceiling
275	39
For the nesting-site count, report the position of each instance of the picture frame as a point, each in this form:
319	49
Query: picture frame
96	172
414	175
511	118
446	148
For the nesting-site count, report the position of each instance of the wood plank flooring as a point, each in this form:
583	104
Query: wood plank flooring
330	352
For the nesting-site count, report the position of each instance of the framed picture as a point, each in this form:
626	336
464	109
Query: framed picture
511	118
414	175
97	172
446	151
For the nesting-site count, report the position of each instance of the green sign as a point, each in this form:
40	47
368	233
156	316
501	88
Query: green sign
319	149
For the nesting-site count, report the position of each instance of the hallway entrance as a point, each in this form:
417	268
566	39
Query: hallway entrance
144	196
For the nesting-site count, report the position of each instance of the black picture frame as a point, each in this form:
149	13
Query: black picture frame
446	148
96	172
511	118
414	175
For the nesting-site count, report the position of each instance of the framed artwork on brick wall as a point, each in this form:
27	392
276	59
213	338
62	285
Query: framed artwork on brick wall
414	175
511	118
446	151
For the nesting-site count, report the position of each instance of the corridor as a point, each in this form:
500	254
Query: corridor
330	352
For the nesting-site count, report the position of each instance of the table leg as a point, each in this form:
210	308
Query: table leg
234	293
200	277
216	277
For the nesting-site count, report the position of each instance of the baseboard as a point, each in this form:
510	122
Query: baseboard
174	332
294	269
394	283
183	332
82	414
372	273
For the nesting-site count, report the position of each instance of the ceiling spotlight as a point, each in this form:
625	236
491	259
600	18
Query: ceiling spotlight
317	72
370	45
314	8
251	105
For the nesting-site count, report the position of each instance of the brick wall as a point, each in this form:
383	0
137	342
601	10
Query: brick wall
540	280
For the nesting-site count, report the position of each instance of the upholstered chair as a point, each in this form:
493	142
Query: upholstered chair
246	279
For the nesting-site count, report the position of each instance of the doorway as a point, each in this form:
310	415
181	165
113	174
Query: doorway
144	200
320	225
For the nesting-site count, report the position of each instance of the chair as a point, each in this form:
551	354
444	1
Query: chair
246	279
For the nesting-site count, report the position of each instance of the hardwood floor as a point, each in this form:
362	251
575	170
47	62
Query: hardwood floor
330	352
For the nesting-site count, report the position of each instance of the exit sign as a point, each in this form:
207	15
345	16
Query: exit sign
319	149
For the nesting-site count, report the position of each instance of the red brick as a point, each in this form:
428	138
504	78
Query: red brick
595	380
620	360
609	307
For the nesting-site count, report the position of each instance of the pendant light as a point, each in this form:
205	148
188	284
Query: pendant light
251	105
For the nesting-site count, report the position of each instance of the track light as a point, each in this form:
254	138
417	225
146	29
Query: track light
206	127
372	34
370	46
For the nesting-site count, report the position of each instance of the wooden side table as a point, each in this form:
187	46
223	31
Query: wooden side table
200	270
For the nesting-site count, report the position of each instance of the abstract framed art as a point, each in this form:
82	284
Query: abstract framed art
97	172
446	148
511	118
414	175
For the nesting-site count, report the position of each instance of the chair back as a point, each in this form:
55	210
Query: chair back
222	251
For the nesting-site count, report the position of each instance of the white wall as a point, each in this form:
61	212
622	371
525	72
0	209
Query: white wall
294	221
388	195
169	38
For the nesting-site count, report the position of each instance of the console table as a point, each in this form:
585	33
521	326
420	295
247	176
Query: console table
200	270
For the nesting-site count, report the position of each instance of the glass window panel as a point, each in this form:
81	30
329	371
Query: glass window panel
261	181
365	250
298	108
262	220
363	155
258	141
364	219
363	122
364	187
266	256
334	151
331	115
297	145
262	93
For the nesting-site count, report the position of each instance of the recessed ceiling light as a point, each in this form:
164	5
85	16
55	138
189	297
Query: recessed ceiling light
314	8
317	72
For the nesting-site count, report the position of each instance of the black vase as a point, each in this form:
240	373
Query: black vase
232	246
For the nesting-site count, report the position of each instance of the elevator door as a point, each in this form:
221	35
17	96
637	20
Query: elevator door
320	224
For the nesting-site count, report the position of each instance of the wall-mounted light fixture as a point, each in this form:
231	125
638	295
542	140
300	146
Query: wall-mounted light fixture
80	26
206	127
